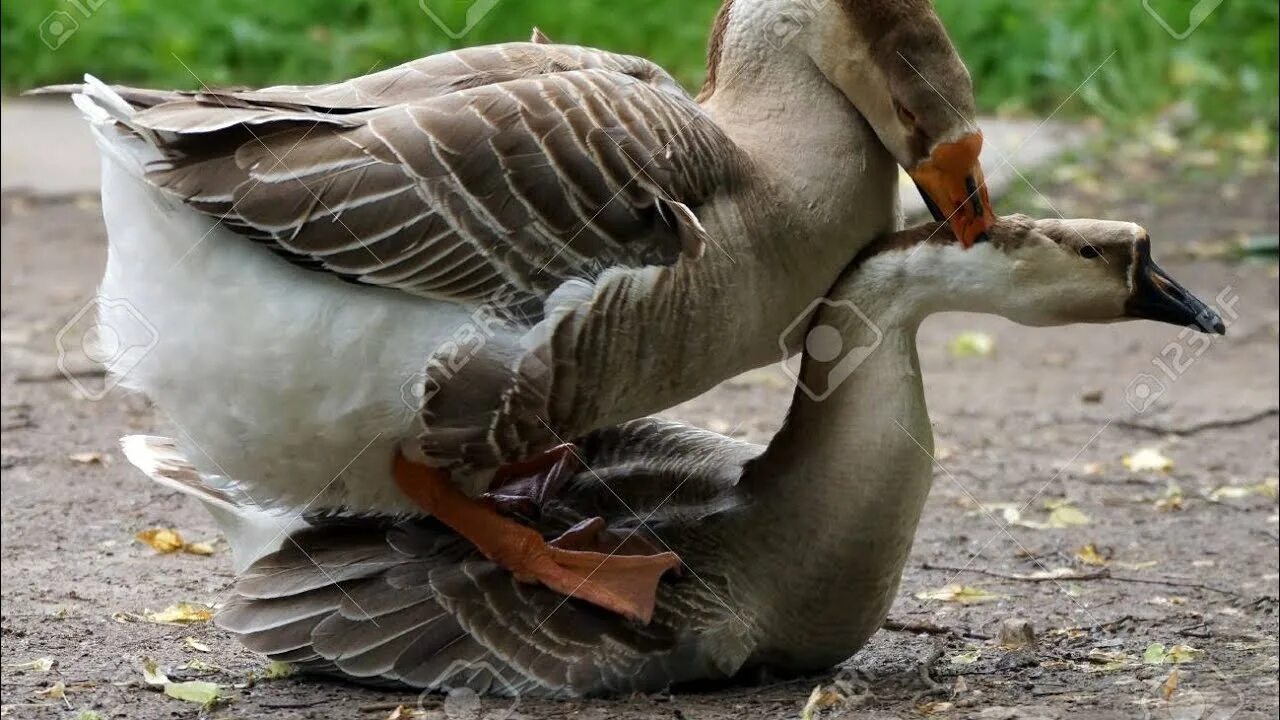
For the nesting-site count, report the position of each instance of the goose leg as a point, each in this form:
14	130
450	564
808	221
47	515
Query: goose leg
521	488
625	584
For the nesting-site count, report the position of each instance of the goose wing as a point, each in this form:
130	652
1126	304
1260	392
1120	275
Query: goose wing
492	172
411	603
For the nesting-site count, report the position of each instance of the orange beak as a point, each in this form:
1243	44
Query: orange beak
953	186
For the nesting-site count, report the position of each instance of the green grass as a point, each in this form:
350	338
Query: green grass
1027	56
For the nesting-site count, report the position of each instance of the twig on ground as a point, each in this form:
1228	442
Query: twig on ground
387	706
1193	428
1103	574
923	672
1199	630
86	374
926	628
1098	575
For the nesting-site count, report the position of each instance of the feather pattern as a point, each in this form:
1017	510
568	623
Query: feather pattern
493	172
408	602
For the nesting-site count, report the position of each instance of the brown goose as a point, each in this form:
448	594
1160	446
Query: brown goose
521	230
794	551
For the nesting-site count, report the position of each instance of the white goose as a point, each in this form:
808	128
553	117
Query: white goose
505	226
798	547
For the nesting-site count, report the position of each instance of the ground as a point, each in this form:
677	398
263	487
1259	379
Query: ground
1044	421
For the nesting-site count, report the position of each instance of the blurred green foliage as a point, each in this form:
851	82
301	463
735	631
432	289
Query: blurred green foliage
1027	56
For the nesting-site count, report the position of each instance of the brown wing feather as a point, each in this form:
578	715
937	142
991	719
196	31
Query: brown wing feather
411	603
503	169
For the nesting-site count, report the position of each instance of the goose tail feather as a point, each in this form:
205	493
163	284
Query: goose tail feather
251	531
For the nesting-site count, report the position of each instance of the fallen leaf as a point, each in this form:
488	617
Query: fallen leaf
199	548
181	614
195	644
86	458
200	692
972	344
820	699
1107	661
169	540
88	715
57	691
277	669
162	540
1169	686
935	707
1266	488
963	594
1154	654
201	666
151	672
1065	516
968	657
1092	469
1179	654
1147	460
1172	500
1090	555
44	664
1061	515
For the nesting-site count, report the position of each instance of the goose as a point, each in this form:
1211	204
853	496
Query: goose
794	551
356	294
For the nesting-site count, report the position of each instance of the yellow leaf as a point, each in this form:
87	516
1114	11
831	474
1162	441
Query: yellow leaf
1183	654
277	669
181	614
195	691
963	594
162	540
1089	555
1065	516
966	658
195	644
1169	686
151	672
1147	460
43	664
972	344
198	548
57	691
1266	488
935	707
820	699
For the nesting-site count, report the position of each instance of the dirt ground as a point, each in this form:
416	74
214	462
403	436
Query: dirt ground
1044	421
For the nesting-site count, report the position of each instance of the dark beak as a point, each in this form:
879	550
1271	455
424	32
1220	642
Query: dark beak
1156	296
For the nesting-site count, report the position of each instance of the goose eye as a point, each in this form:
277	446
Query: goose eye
1090	252
906	116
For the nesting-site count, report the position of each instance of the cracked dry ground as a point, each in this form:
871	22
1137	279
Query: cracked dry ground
1043	420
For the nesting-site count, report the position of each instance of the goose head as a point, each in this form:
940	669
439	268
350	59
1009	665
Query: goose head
894	62
1034	272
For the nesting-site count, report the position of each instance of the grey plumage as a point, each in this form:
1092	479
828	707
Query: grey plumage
408	602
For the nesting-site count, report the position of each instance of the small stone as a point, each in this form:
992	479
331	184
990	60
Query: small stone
1016	633
1093	397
